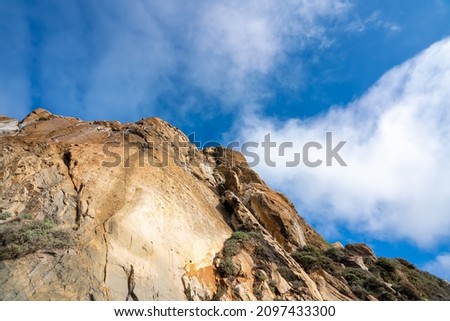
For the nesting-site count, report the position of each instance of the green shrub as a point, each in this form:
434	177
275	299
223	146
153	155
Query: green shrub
297	284
310	258
5	215
227	268
386	296
221	290
21	238
335	254
406	263
26	216
287	273
425	285
373	285
386	269
264	252
312	249
307	262
355	276
359	291
409	292
241	236
386	264
231	247
408	282
234	243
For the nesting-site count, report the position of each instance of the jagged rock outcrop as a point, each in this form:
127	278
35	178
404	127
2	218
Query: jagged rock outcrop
8	125
109	211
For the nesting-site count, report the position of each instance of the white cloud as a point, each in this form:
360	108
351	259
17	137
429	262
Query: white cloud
374	21
116	59
236	44
440	266
398	151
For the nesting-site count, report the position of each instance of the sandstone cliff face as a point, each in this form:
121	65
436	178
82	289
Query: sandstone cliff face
110	211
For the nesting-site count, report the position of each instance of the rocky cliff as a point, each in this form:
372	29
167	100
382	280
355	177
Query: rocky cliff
109	211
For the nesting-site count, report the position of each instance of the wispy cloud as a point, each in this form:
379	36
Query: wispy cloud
236	44
440	266
398	133
374	21
121	59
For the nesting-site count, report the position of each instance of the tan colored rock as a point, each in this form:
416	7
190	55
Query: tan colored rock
361	250
331	288
156	219
109	211
8	124
279	282
243	294
266	293
355	261
144	205
271	209
337	245
36	115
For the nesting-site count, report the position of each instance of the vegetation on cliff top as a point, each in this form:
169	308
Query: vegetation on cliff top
386	279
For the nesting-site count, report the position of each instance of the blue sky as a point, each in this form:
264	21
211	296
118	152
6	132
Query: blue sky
376	74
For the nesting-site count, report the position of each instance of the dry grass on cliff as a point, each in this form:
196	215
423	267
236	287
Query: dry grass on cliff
25	236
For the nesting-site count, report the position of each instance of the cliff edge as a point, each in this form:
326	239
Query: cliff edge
107	211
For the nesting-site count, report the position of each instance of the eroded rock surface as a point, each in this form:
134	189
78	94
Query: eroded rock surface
109	211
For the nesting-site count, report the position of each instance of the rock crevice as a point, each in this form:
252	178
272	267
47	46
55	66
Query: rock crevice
110	211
